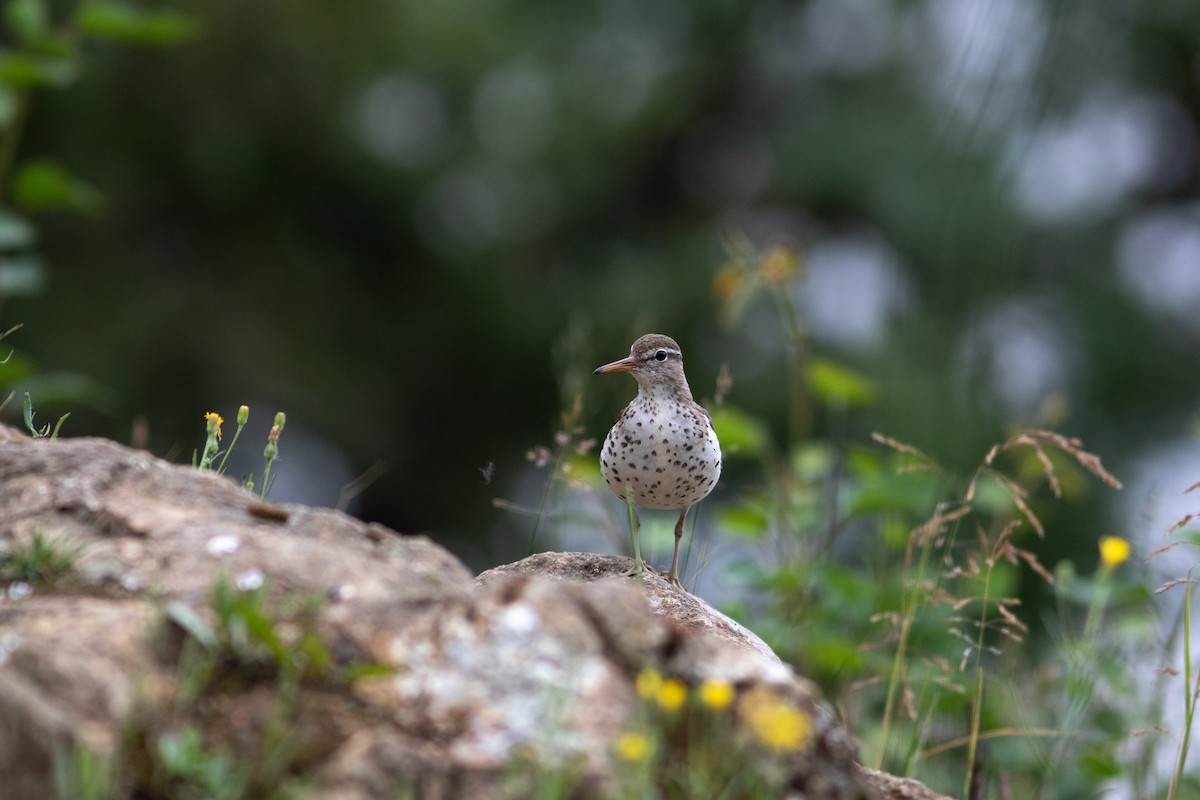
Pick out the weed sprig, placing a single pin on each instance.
(207, 458)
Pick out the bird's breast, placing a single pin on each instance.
(666, 454)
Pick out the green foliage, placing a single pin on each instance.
(900, 584)
(839, 386)
(206, 459)
(45, 431)
(192, 770)
(42, 560)
(43, 185)
(741, 434)
(245, 638)
(82, 774)
(126, 22)
(47, 51)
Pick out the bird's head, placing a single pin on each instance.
(654, 360)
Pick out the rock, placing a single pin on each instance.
(687, 611)
(192, 633)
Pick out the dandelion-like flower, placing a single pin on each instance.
(777, 725)
(1114, 551)
(717, 695)
(727, 282)
(632, 746)
(648, 684)
(213, 423)
(672, 694)
(779, 265)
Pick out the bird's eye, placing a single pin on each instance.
(661, 355)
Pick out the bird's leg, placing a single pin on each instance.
(673, 573)
(635, 533)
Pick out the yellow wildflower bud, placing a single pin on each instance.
(777, 725)
(280, 418)
(672, 694)
(726, 282)
(1114, 551)
(779, 265)
(243, 415)
(632, 746)
(782, 727)
(648, 683)
(717, 695)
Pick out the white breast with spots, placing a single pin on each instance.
(666, 452)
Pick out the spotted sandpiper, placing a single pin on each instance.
(662, 452)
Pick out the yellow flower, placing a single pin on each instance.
(213, 422)
(727, 281)
(672, 694)
(779, 265)
(776, 724)
(717, 695)
(1114, 551)
(648, 684)
(632, 746)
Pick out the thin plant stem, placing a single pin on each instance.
(228, 450)
(894, 681)
(908, 612)
(564, 441)
(1190, 697)
(799, 411)
(977, 705)
(537, 520)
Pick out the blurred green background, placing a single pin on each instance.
(417, 226)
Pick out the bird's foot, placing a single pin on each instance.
(673, 579)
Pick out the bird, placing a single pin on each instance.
(662, 452)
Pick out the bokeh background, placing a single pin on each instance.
(417, 226)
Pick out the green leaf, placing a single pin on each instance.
(812, 461)
(740, 433)
(912, 493)
(839, 386)
(746, 520)
(365, 670)
(185, 617)
(27, 414)
(119, 21)
(23, 70)
(45, 186)
(262, 628)
(26, 18)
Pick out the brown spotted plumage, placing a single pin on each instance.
(662, 452)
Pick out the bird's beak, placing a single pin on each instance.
(626, 364)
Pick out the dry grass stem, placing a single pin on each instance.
(1163, 549)
(998, 733)
(1186, 519)
(1172, 584)
(896, 444)
(938, 524)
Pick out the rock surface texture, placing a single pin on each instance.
(191, 632)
